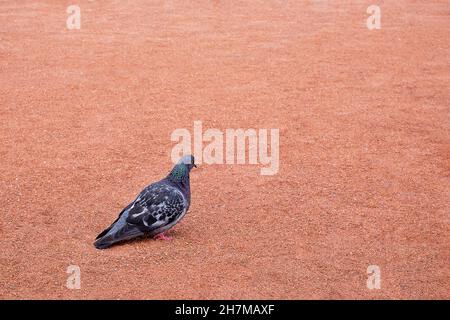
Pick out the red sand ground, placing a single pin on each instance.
(364, 132)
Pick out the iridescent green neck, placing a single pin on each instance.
(179, 173)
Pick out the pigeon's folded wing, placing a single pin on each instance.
(156, 207)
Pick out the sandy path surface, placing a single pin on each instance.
(86, 118)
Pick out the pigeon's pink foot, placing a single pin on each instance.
(161, 236)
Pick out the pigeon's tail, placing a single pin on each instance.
(117, 232)
(126, 233)
(104, 242)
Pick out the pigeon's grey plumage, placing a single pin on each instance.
(155, 210)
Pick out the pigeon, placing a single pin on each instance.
(156, 209)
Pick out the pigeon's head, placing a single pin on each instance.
(188, 161)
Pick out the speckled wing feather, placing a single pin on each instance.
(156, 207)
